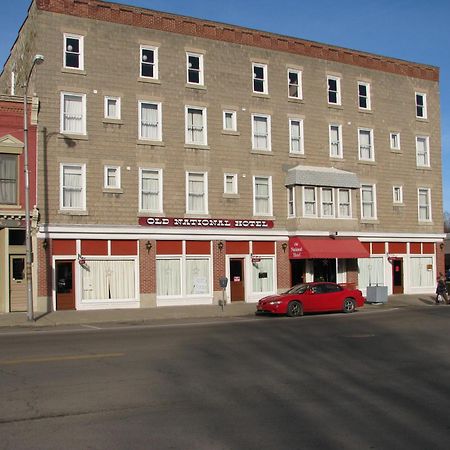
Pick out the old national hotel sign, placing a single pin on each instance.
(183, 222)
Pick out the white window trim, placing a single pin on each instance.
(235, 183)
(394, 133)
(155, 62)
(289, 215)
(83, 183)
(315, 201)
(300, 83)
(302, 148)
(201, 81)
(374, 194)
(427, 143)
(159, 110)
(270, 213)
(110, 97)
(233, 120)
(340, 154)
(160, 192)
(425, 108)
(105, 177)
(429, 204)
(205, 186)
(13, 83)
(61, 113)
(338, 90)
(400, 190)
(372, 144)
(368, 99)
(333, 203)
(205, 125)
(265, 78)
(338, 203)
(269, 132)
(81, 45)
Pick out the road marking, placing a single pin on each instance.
(91, 326)
(9, 362)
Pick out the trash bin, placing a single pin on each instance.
(377, 294)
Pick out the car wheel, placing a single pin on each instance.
(295, 309)
(349, 305)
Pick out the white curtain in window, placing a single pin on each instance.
(344, 203)
(73, 113)
(229, 121)
(367, 202)
(365, 146)
(195, 126)
(196, 187)
(111, 105)
(168, 277)
(371, 272)
(262, 196)
(295, 137)
(150, 190)
(424, 207)
(149, 121)
(122, 280)
(262, 275)
(327, 202)
(421, 276)
(422, 152)
(197, 276)
(72, 187)
(260, 130)
(8, 179)
(310, 201)
(334, 141)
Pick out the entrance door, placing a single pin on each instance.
(397, 276)
(237, 279)
(17, 283)
(298, 270)
(65, 292)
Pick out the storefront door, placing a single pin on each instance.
(65, 285)
(17, 283)
(237, 286)
(298, 269)
(397, 276)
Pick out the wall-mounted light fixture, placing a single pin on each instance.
(284, 247)
(148, 246)
(45, 244)
(441, 246)
(220, 246)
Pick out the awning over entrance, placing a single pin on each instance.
(326, 247)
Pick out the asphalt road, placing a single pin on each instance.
(370, 380)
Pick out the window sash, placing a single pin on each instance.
(73, 113)
(261, 132)
(344, 203)
(365, 145)
(260, 78)
(151, 190)
(424, 205)
(334, 95)
(73, 52)
(230, 183)
(72, 187)
(149, 62)
(395, 141)
(262, 196)
(112, 177)
(296, 136)
(368, 202)
(335, 141)
(229, 120)
(294, 84)
(8, 179)
(327, 201)
(364, 95)
(421, 105)
(423, 155)
(309, 201)
(150, 121)
(196, 188)
(291, 202)
(194, 68)
(196, 126)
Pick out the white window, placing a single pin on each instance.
(73, 186)
(345, 203)
(371, 272)
(296, 136)
(196, 132)
(230, 183)
(73, 51)
(363, 95)
(149, 62)
(421, 275)
(335, 136)
(327, 202)
(291, 201)
(262, 196)
(261, 134)
(424, 204)
(422, 151)
(421, 105)
(260, 78)
(309, 201)
(263, 275)
(365, 143)
(8, 179)
(73, 113)
(334, 90)
(112, 107)
(194, 68)
(395, 140)
(229, 120)
(150, 127)
(196, 192)
(150, 190)
(294, 83)
(111, 177)
(368, 202)
(397, 194)
(168, 277)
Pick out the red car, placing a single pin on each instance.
(312, 297)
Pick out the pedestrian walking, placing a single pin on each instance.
(441, 290)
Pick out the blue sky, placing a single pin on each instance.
(413, 30)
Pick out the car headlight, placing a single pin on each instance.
(275, 302)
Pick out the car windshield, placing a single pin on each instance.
(298, 289)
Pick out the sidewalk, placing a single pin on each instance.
(175, 313)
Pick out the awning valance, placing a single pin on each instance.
(326, 247)
(321, 176)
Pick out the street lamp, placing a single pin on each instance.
(38, 59)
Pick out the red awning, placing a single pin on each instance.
(326, 247)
